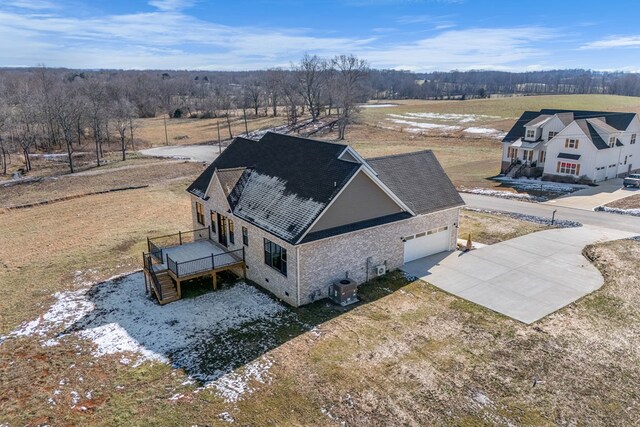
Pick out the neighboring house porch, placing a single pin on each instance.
(175, 258)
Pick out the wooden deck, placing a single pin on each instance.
(165, 267)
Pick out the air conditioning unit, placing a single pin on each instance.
(344, 292)
(381, 270)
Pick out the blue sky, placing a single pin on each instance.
(415, 35)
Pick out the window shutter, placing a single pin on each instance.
(558, 168)
(566, 143)
(578, 170)
(577, 142)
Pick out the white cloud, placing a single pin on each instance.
(477, 48)
(172, 4)
(33, 4)
(613, 42)
(169, 38)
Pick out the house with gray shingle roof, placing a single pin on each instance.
(572, 144)
(308, 213)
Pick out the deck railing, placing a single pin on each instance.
(208, 263)
(148, 265)
(156, 244)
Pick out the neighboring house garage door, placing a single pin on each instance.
(428, 243)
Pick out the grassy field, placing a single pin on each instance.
(631, 202)
(409, 355)
(491, 228)
(468, 158)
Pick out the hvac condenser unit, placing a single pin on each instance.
(344, 292)
(381, 269)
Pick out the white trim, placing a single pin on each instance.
(214, 174)
(382, 225)
(355, 154)
(297, 275)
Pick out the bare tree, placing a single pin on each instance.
(350, 75)
(253, 94)
(274, 81)
(68, 109)
(311, 80)
(122, 111)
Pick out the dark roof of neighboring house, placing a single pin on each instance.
(568, 156)
(418, 180)
(592, 134)
(286, 181)
(617, 120)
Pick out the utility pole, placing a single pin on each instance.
(246, 129)
(166, 135)
(219, 143)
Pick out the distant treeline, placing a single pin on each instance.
(391, 84)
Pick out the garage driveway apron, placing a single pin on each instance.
(525, 278)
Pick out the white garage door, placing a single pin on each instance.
(428, 243)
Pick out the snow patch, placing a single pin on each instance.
(495, 133)
(377, 105)
(418, 126)
(225, 416)
(117, 317)
(503, 194)
(560, 223)
(232, 386)
(619, 211)
(537, 184)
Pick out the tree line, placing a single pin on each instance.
(46, 110)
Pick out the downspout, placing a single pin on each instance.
(298, 276)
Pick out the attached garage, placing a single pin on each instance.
(426, 243)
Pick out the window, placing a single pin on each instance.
(612, 141)
(245, 236)
(232, 237)
(633, 138)
(568, 168)
(199, 213)
(625, 159)
(529, 155)
(531, 133)
(542, 156)
(512, 153)
(213, 222)
(552, 134)
(275, 256)
(571, 143)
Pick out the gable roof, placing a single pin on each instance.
(418, 180)
(282, 182)
(607, 121)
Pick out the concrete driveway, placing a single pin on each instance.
(196, 153)
(525, 278)
(591, 197)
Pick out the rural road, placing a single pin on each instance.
(598, 219)
(196, 153)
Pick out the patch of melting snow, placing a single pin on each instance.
(377, 105)
(560, 223)
(225, 416)
(619, 211)
(503, 194)
(232, 386)
(452, 117)
(538, 184)
(486, 131)
(418, 126)
(117, 317)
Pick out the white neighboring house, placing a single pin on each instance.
(572, 144)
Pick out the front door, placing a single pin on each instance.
(222, 230)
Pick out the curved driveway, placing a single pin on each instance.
(528, 277)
